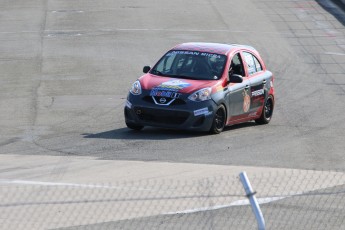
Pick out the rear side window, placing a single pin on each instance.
(257, 64)
(253, 63)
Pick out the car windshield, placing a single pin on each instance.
(190, 65)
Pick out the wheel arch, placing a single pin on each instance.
(223, 102)
(226, 112)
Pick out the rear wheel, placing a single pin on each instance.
(267, 111)
(219, 120)
(134, 126)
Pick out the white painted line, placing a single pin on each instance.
(210, 30)
(67, 11)
(177, 30)
(64, 34)
(18, 32)
(263, 200)
(287, 33)
(44, 183)
(331, 53)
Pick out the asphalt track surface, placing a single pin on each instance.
(66, 67)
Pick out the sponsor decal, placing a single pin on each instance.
(203, 111)
(219, 88)
(161, 93)
(208, 114)
(246, 101)
(210, 55)
(194, 53)
(174, 85)
(183, 52)
(252, 114)
(258, 92)
(169, 89)
(128, 104)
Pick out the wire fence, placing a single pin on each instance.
(289, 199)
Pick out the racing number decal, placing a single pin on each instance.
(246, 101)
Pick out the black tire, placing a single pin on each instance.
(134, 126)
(267, 111)
(219, 120)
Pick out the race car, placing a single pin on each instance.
(202, 87)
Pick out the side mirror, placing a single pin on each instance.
(235, 78)
(146, 69)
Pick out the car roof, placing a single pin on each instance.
(217, 48)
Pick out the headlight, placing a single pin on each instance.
(201, 95)
(136, 88)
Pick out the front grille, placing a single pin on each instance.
(161, 116)
(199, 121)
(148, 99)
(177, 101)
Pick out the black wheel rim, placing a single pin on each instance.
(268, 108)
(220, 119)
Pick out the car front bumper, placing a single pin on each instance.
(189, 115)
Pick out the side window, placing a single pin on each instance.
(257, 64)
(253, 63)
(250, 62)
(236, 65)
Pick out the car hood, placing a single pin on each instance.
(150, 81)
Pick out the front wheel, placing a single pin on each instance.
(267, 111)
(134, 126)
(219, 120)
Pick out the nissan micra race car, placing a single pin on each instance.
(203, 87)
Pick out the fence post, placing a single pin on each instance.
(253, 201)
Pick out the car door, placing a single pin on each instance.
(258, 80)
(238, 93)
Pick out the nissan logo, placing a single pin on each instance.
(162, 100)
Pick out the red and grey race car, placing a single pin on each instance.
(204, 87)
